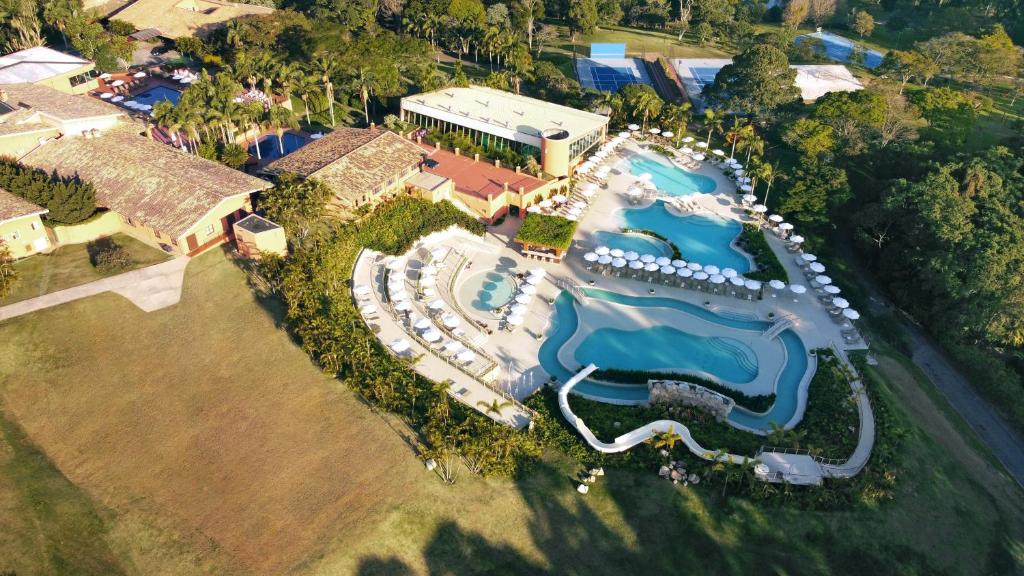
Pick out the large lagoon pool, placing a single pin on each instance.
(700, 238)
(638, 243)
(566, 320)
(670, 180)
(664, 348)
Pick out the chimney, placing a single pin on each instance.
(373, 126)
(519, 169)
(504, 186)
(521, 190)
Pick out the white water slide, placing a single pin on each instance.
(637, 436)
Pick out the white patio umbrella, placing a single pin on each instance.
(716, 279)
(738, 171)
(432, 335)
(631, 255)
(618, 262)
(729, 273)
(684, 272)
(652, 267)
(700, 275)
(797, 288)
(808, 257)
(533, 210)
(636, 264)
(436, 304)
(668, 134)
(633, 127)
(106, 95)
(822, 279)
(736, 281)
(422, 324)
(662, 260)
(400, 345)
(785, 226)
(747, 188)
(712, 269)
(117, 83)
(816, 267)
(454, 347)
(403, 306)
(832, 289)
(760, 208)
(616, 252)
(560, 198)
(523, 298)
(535, 279)
(428, 280)
(796, 239)
(702, 144)
(851, 313)
(655, 130)
(584, 168)
(590, 256)
(718, 152)
(623, 135)
(694, 266)
(686, 149)
(528, 289)
(648, 258)
(591, 186)
(117, 98)
(400, 295)
(466, 356)
(604, 259)
(361, 290)
(777, 284)
(749, 198)
(776, 218)
(368, 309)
(679, 263)
(546, 203)
(645, 177)
(451, 320)
(601, 250)
(515, 319)
(752, 284)
(698, 157)
(688, 139)
(840, 302)
(668, 270)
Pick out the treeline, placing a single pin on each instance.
(69, 201)
(314, 284)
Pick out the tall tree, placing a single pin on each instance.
(758, 81)
(582, 16)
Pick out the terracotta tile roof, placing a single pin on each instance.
(12, 207)
(352, 161)
(156, 184)
(481, 179)
(20, 121)
(57, 104)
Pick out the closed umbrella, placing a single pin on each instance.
(631, 256)
(590, 256)
(711, 269)
(851, 313)
(822, 279)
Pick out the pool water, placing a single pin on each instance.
(270, 148)
(638, 243)
(157, 94)
(485, 292)
(787, 386)
(699, 238)
(664, 348)
(841, 49)
(669, 180)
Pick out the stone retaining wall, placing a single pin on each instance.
(679, 393)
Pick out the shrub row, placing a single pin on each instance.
(753, 242)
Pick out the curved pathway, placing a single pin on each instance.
(637, 436)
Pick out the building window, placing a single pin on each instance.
(209, 230)
(15, 235)
(35, 225)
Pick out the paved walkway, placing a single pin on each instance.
(150, 288)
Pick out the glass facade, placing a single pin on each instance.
(479, 138)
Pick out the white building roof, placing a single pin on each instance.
(37, 64)
(813, 80)
(512, 116)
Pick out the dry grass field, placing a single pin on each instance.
(200, 440)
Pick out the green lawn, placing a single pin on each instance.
(199, 439)
(69, 266)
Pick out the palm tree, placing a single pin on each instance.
(712, 121)
(167, 117)
(739, 131)
(666, 439)
(494, 407)
(21, 17)
(252, 116)
(767, 173)
(676, 116)
(281, 119)
(753, 143)
(361, 81)
(306, 86)
(326, 66)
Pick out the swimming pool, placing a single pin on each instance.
(699, 238)
(664, 348)
(638, 243)
(485, 292)
(271, 148)
(841, 49)
(787, 388)
(670, 180)
(157, 94)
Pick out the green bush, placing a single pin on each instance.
(676, 254)
(120, 27)
(753, 242)
(69, 201)
(992, 376)
(545, 230)
(108, 256)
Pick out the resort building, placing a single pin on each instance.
(21, 229)
(256, 237)
(178, 202)
(177, 18)
(557, 135)
(363, 166)
(48, 67)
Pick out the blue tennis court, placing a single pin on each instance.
(842, 49)
(610, 75)
(612, 79)
(704, 76)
